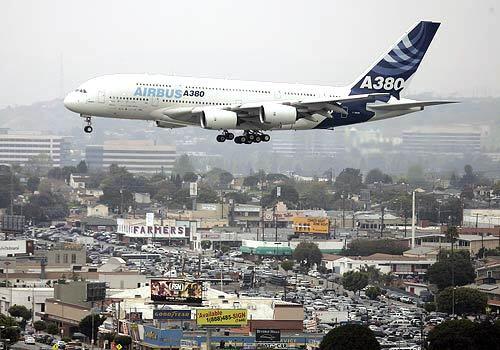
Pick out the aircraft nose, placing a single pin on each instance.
(71, 102)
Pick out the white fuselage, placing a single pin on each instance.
(150, 97)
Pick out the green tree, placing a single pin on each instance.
(206, 244)
(464, 334)
(183, 165)
(46, 206)
(349, 337)
(416, 175)
(190, 177)
(287, 265)
(82, 168)
(439, 273)
(85, 325)
(288, 195)
(40, 325)
(10, 329)
(354, 280)
(377, 176)
(365, 247)
(52, 329)
(349, 181)
(307, 254)
(32, 183)
(123, 340)
(20, 311)
(251, 181)
(239, 197)
(468, 301)
(207, 195)
(373, 292)
(373, 274)
(317, 196)
(8, 181)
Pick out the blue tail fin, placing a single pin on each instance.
(392, 72)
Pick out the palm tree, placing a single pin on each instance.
(451, 236)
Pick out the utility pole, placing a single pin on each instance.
(413, 221)
(343, 210)
(382, 208)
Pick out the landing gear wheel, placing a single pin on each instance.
(251, 137)
(220, 138)
(229, 136)
(266, 138)
(257, 139)
(88, 129)
(243, 139)
(237, 139)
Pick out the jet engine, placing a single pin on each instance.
(277, 114)
(217, 119)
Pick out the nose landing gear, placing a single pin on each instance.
(88, 128)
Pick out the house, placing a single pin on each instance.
(142, 198)
(398, 265)
(78, 181)
(422, 252)
(99, 210)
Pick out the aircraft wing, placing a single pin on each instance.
(407, 105)
(249, 111)
(311, 105)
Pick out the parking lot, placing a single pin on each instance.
(395, 319)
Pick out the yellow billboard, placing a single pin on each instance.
(311, 225)
(221, 317)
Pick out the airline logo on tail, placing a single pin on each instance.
(392, 72)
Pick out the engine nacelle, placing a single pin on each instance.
(218, 119)
(277, 114)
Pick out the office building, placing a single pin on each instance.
(142, 156)
(453, 140)
(21, 148)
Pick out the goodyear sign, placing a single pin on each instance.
(171, 314)
(311, 225)
(221, 317)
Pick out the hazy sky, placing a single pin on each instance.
(316, 42)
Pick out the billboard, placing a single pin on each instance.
(96, 291)
(144, 231)
(171, 315)
(267, 335)
(15, 247)
(175, 291)
(13, 223)
(221, 317)
(311, 225)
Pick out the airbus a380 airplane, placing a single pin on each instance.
(258, 107)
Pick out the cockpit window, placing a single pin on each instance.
(81, 90)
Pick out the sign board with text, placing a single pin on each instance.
(221, 317)
(174, 315)
(267, 335)
(144, 231)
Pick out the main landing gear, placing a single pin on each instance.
(88, 128)
(226, 135)
(250, 136)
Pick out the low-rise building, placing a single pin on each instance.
(471, 243)
(397, 265)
